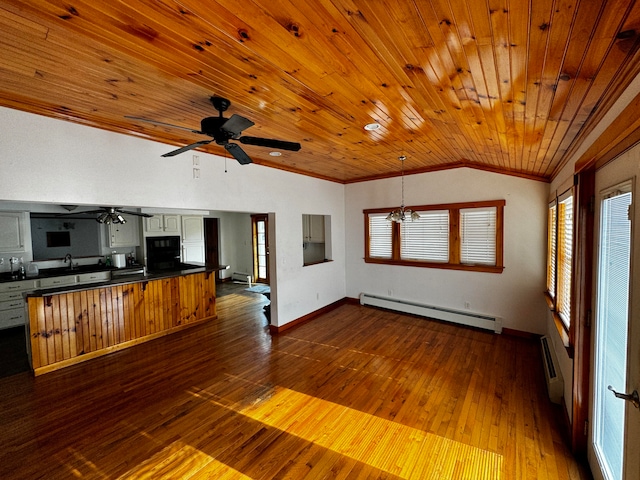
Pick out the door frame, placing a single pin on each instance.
(609, 175)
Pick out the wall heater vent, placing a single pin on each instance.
(241, 277)
(552, 374)
(455, 316)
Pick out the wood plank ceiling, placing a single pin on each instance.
(504, 85)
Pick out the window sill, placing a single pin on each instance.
(316, 263)
(445, 266)
(560, 327)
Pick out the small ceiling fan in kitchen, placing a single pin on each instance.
(105, 214)
(222, 130)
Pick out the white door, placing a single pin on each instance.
(614, 440)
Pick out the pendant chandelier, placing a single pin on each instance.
(401, 214)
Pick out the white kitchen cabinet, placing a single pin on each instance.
(313, 228)
(12, 306)
(94, 277)
(124, 234)
(192, 228)
(171, 224)
(53, 282)
(192, 252)
(153, 224)
(192, 239)
(162, 225)
(12, 231)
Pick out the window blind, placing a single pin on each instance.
(551, 250)
(427, 238)
(380, 236)
(565, 256)
(478, 236)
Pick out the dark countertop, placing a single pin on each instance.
(121, 279)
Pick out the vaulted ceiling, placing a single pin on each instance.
(510, 86)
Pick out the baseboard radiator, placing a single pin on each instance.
(552, 373)
(241, 277)
(455, 316)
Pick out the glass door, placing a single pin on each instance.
(612, 440)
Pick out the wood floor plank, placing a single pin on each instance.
(355, 393)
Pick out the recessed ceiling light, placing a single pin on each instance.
(275, 154)
(372, 126)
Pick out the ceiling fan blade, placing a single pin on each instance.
(80, 213)
(268, 142)
(162, 124)
(236, 124)
(127, 212)
(187, 148)
(239, 154)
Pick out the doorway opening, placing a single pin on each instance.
(260, 239)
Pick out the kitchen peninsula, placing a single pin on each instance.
(73, 323)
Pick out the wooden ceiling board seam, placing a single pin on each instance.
(554, 73)
(456, 85)
(355, 100)
(519, 51)
(485, 121)
(453, 146)
(625, 72)
(597, 85)
(555, 52)
(501, 49)
(481, 28)
(212, 75)
(629, 74)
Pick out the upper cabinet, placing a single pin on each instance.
(124, 234)
(313, 228)
(192, 228)
(162, 225)
(193, 239)
(12, 231)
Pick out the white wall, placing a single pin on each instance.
(515, 295)
(235, 245)
(51, 161)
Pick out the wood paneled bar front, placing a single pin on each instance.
(67, 326)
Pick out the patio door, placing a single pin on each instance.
(260, 229)
(615, 419)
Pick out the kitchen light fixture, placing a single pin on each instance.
(401, 214)
(371, 126)
(275, 154)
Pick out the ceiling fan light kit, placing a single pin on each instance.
(222, 130)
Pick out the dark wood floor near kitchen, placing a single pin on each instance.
(355, 393)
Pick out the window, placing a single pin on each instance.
(551, 249)
(478, 236)
(560, 259)
(425, 239)
(461, 236)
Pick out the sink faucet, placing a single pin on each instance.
(70, 259)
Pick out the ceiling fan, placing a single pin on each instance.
(222, 130)
(106, 214)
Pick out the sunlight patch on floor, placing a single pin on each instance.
(383, 444)
(179, 460)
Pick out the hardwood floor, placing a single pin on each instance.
(356, 393)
